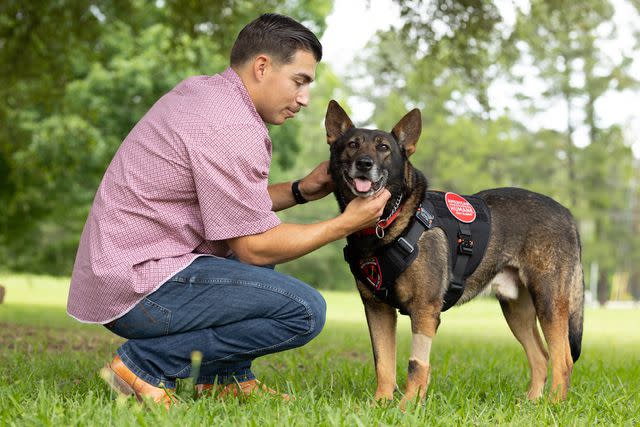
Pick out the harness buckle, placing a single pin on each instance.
(425, 217)
(456, 286)
(406, 247)
(465, 244)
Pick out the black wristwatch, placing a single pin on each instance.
(297, 195)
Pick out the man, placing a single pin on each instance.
(175, 252)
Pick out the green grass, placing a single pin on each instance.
(49, 365)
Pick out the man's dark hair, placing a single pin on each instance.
(275, 35)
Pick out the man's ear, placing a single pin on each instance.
(408, 130)
(261, 65)
(337, 122)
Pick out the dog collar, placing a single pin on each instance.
(383, 224)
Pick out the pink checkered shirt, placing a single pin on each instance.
(192, 173)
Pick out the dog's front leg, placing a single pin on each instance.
(382, 319)
(423, 326)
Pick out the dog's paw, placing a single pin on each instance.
(412, 401)
(381, 401)
(383, 396)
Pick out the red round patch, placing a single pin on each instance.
(371, 270)
(460, 208)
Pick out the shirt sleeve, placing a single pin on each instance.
(231, 172)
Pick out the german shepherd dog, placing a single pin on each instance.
(532, 261)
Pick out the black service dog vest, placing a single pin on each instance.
(466, 221)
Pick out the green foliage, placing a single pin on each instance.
(565, 42)
(457, 38)
(76, 78)
(448, 54)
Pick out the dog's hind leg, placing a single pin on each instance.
(552, 309)
(382, 319)
(424, 325)
(555, 330)
(517, 307)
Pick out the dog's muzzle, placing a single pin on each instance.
(364, 178)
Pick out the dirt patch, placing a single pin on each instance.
(28, 338)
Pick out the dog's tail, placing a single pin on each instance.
(576, 311)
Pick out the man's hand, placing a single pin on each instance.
(285, 242)
(363, 212)
(318, 183)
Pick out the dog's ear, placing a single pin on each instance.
(408, 130)
(337, 122)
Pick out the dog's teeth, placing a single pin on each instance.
(362, 185)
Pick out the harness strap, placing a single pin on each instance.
(465, 250)
(394, 258)
(398, 255)
(381, 270)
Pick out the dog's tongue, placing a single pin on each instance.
(362, 185)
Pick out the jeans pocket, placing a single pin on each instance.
(146, 320)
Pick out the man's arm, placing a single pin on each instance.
(290, 241)
(281, 196)
(314, 186)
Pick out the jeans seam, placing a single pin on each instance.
(300, 301)
(256, 285)
(167, 314)
(246, 282)
(183, 371)
(207, 363)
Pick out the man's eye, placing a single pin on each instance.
(354, 144)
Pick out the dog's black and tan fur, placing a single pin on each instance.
(532, 261)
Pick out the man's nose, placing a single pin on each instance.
(303, 96)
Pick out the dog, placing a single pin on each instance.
(532, 259)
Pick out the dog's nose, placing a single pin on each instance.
(364, 163)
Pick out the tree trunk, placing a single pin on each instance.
(571, 161)
(634, 285)
(603, 287)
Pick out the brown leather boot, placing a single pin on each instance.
(242, 389)
(126, 383)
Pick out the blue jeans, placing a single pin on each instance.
(229, 311)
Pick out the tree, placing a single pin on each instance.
(564, 41)
(76, 77)
(447, 56)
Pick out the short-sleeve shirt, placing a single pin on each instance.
(192, 173)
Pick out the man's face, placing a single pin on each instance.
(285, 88)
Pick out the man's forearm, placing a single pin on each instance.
(288, 241)
(281, 196)
(314, 186)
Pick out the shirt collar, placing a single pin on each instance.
(232, 77)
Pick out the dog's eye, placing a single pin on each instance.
(354, 144)
(382, 147)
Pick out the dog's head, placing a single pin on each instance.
(364, 161)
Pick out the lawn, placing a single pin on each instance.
(49, 372)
